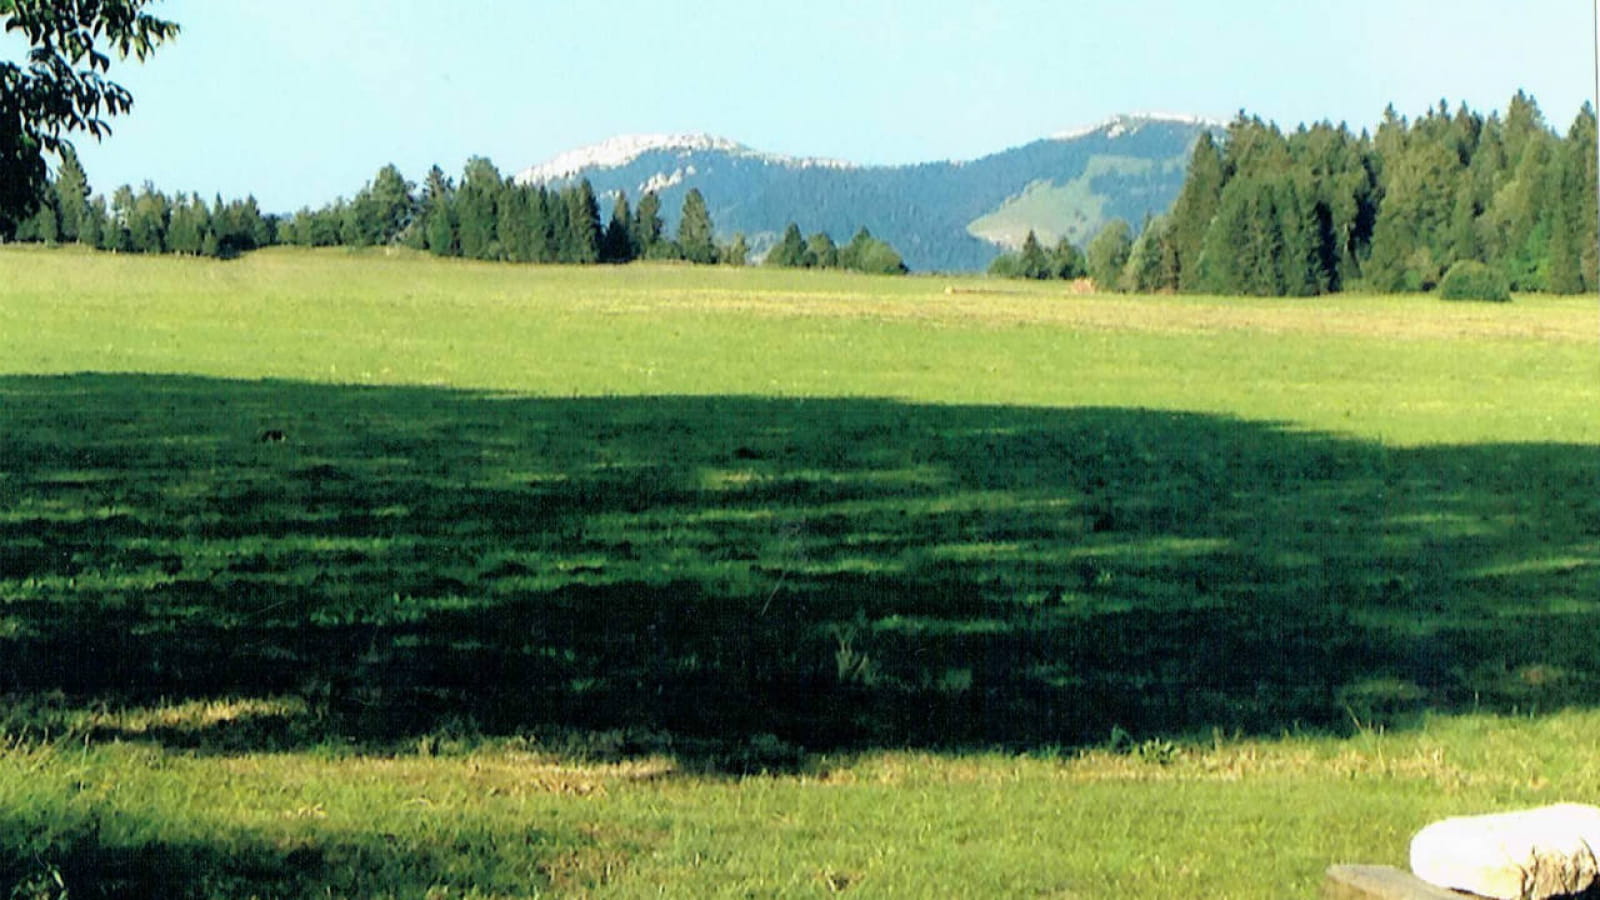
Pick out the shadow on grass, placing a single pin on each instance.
(736, 577)
(116, 855)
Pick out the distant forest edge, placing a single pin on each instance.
(1501, 199)
(485, 217)
(1323, 210)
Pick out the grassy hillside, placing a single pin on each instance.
(378, 574)
(1073, 209)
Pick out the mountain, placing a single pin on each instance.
(947, 216)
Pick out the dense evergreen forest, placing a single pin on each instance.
(485, 216)
(1322, 210)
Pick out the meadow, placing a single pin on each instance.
(370, 575)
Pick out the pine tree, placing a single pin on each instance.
(790, 252)
(116, 235)
(1195, 208)
(186, 231)
(475, 212)
(1518, 234)
(1563, 272)
(92, 225)
(44, 226)
(866, 253)
(1410, 241)
(1147, 271)
(518, 243)
(1031, 260)
(392, 204)
(71, 194)
(1066, 261)
(647, 226)
(822, 252)
(438, 221)
(696, 240)
(617, 244)
(1580, 191)
(736, 253)
(1299, 255)
(582, 233)
(1571, 208)
(550, 228)
(1524, 125)
(1108, 254)
(358, 226)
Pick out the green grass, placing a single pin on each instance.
(661, 580)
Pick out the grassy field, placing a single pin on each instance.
(366, 575)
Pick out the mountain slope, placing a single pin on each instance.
(939, 215)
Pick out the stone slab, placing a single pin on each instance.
(1531, 854)
(1380, 883)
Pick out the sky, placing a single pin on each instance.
(300, 101)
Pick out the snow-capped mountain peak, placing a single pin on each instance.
(1118, 125)
(619, 151)
(624, 149)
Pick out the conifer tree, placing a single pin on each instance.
(1518, 234)
(1108, 254)
(1563, 271)
(790, 252)
(186, 231)
(1196, 206)
(866, 253)
(358, 226)
(518, 243)
(392, 204)
(1299, 254)
(1148, 260)
(582, 233)
(617, 244)
(71, 193)
(550, 217)
(647, 226)
(821, 251)
(1066, 261)
(737, 253)
(1582, 172)
(1031, 260)
(1524, 125)
(1571, 210)
(44, 226)
(93, 223)
(696, 240)
(116, 236)
(438, 221)
(1410, 238)
(475, 212)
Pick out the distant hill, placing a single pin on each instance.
(940, 215)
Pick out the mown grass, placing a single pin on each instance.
(1005, 593)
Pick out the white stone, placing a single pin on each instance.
(1528, 855)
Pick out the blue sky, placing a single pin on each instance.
(298, 101)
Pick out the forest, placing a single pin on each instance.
(485, 217)
(1322, 210)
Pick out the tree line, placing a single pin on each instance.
(485, 216)
(864, 253)
(1322, 210)
(147, 221)
(489, 217)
